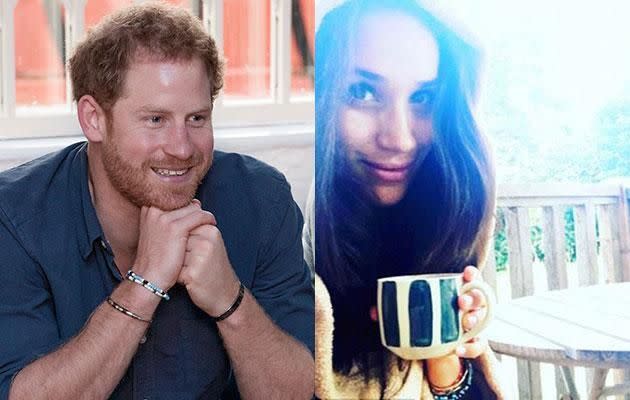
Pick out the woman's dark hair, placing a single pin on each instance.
(444, 221)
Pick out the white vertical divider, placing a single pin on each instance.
(281, 50)
(7, 58)
(212, 18)
(75, 28)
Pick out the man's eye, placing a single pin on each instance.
(362, 92)
(197, 120)
(155, 119)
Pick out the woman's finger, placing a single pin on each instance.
(472, 349)
(478, 299)
(472, 318)
(470, 273)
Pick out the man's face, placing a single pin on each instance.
(159, 138)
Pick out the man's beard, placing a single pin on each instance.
(132, 182)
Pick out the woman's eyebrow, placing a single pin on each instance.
(368, 74)
(427, 84)
(373, 76)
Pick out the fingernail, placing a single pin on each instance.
(472, 320)
(373, 314)
(460, 351)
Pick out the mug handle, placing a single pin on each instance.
(490, 303)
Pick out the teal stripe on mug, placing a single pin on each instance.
(420, 314)
(390, 314)
(450, 311)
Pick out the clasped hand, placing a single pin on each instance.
(185, 246)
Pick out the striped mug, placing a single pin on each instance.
(419, 317)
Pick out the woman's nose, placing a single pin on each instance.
(396, 132)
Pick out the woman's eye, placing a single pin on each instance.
(422, 97)
(362, 92)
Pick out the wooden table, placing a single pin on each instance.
(585, 327)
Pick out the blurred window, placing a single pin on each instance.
(267, 45)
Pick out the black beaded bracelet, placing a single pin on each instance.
(234, 306)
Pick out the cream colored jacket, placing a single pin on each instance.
(401, 385)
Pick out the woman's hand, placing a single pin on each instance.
(473, 305)
(443, 371)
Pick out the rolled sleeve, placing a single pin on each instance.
(282, 283)
(27, 316)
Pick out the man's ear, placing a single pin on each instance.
(92, 118)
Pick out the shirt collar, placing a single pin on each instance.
(89, 230)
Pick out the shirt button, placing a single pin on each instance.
(143, 339)
(103, 244)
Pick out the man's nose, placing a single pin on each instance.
(396, 132)
(178, 143)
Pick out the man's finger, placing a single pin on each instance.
(195, 219)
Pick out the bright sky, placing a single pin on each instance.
(577, 52)
(585, 44)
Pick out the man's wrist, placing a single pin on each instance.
(137, 298)
(150, 286)
(234, 306)
(238, 318)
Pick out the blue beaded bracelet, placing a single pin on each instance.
(150, 286)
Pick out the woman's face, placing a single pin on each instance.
(385, 121)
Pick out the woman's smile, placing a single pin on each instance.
(388, 172)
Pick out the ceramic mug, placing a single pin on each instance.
(419, 317)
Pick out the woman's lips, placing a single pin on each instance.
(388, 173)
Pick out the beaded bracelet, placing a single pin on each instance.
(125, 311)
(234, 306)
(153, 288)
(459, 389)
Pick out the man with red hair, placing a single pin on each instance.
(144, 264)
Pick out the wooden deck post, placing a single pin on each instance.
(624, 232)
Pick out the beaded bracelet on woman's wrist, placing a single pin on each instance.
(459, 388)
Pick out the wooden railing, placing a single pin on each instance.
(602, 247)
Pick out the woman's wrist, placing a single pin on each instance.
(455, 389)
(443, 371)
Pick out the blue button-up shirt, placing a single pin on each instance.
(56, 267)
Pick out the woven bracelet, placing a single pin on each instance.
(135, 278)
(234, 306)
(125, 311)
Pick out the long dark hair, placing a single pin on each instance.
(443, 222)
